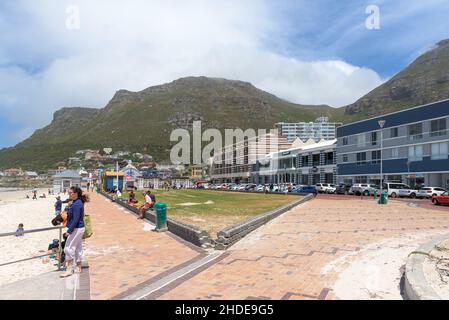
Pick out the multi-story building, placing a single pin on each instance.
(234, 163)
(321, 129)
(414, 149)
(307, 165)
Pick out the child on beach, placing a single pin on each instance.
(20, 230)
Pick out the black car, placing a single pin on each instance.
(343, 189)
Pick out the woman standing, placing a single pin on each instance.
(75, 223)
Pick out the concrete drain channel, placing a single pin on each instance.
(158, 285)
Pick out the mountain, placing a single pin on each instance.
(425, 80)
(142, 121)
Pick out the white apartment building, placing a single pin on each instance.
(321, 129)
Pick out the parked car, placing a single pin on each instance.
(363, 189)
(408, 193)
(325, 188)
(442, 199)
(393, 188)
(250, 187)
(429, 192)
(306, 190)
(331, 189)
(343, 188)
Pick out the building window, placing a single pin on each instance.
(415, 131)
(361, 158)
(361, 140)
(395, 153)
(394, 132)
(375, 157)
(438, 128)
(374, 138)
(345, 158)
(439, 151)
(415, 153)
(345, 141)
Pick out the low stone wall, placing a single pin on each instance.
(416, 286)
(226, 237)
(187, 232)
(256, 192)
(232, 234)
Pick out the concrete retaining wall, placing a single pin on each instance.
(232, 234)
(416, 285)
(226, 237)
(187, 232)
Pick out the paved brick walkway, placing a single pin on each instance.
(292, 257)
(124, 253)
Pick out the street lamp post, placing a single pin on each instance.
(381, 125)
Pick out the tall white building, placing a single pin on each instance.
(321, 129)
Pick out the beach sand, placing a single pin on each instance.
(15, 209)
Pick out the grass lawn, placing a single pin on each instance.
(214, 210)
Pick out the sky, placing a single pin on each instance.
(78, 53)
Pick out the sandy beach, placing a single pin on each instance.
(15, 209)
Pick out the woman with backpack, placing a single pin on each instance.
(75, 223)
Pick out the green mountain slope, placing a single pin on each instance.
(142, 121)
(424, 81)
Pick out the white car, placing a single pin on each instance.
(331, 189)
(429, 192)
(325, 188)
(242, 187)
(393, 188)
(408, 193)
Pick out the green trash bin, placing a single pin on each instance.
(161, 217)
(384, 198)
(375, 194)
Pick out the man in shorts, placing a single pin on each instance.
(147, 205)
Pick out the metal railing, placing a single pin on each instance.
(20, 233)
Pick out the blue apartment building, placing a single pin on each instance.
(415, 148)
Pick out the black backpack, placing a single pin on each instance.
(153, 198)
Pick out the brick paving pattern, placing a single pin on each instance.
(122, 255)
(284, 259)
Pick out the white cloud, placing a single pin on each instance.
(139, 43)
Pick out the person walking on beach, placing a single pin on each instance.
(58, 205)
(75, 222)
(34, 195)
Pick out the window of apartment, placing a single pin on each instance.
(361, 140)
(395, 153)
(439, 151)
(345, 141)
(438, 127)
(415, 153)
(415, 131)
(374, 138)
(394, 132)
(375, 157)
(329, 158)
(361, 158)
(345, 158)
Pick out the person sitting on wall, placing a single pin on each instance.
(132, 198)
(147, 205)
